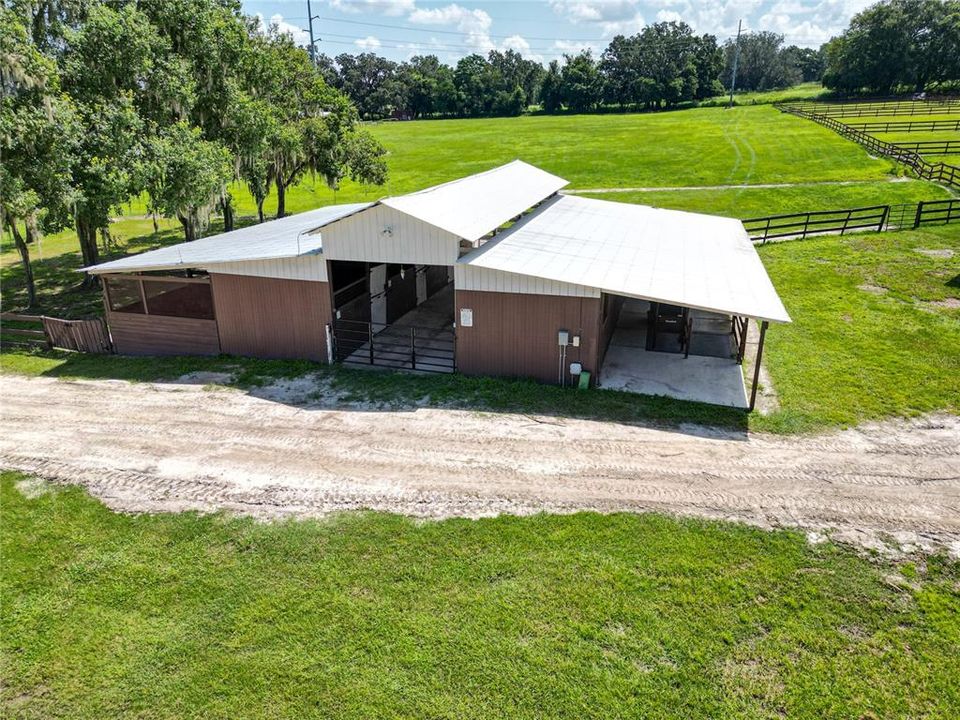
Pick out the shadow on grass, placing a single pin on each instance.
(391, 391)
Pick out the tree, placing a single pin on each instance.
(913, 43)
(581, 86)
(186, 176)
(472, 82)
(369, 80)
(551, 90)
(807, 61)
(762, 65)
(37, 131)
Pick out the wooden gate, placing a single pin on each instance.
(89, 336)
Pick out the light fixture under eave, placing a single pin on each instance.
(387, 231)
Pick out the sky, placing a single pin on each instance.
(541, 30)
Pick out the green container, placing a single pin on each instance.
(584, 380)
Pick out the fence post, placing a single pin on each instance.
(370, 339)
(916, 219)
(846, 221)
(413, 348)
(883, 218)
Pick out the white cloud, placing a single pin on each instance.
(474, 24)
(300, 36)
(392, 8)
(367, 44)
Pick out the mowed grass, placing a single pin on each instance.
(368, 615)
(875, 331)
(705, 146)
(746, 202)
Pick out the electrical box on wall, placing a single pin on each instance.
(466, 317)
(563, 337)
(576, 341)
(576, 368)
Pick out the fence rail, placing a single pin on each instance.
(937, 172)
(89, 336)
(821, 222)
(876, 218)
(931, 147)
(907, 126)
(892, 109)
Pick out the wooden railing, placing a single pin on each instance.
(937, 172)
(820, 222)
(90, 335)
(881, 109)
(907, 126)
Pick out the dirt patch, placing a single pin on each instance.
(172, 447)
(945, 253)
(950, 303)
(874, 289)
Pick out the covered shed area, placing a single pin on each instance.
(669, 295)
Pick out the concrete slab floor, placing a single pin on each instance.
(629, 367)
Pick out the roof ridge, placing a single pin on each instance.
(456, 181)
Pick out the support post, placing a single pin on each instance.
(413, 348)
(916, 219)
(370, 340)
(744, 329)
(756, 369)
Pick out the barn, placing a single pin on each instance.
(493, 274)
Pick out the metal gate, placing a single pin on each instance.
(403, 347)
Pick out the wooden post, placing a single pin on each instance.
(413, 348)
(916, 219)
(883, 218)
(756, 369)
(370, 339)
(744, 330)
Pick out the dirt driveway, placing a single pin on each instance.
(156, 447)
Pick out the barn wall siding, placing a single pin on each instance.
(515, 334)
(135, 334)
(411, 241)
(469, 277)
(307, 267)
(272, 317)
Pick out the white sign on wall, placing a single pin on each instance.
(466, 317)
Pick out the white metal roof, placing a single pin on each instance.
(284, 238)
(681, 258)
(475, 205)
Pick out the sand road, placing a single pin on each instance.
(169, 447)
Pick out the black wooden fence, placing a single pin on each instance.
(880, 109)
(907, 126)
(937, 172)
(876, 218)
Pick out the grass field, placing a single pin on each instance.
(366, 615)
(709, 146)
(874, 335)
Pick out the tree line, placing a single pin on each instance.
(104, 102)
(900, 45)
(663, 65)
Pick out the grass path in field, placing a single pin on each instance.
(365, 615)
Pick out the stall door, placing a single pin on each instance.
(378, 295)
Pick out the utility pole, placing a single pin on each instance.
(313, 42)
(736, 60)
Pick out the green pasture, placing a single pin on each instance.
(748, 202)
(365, 615)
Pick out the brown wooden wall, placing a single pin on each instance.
(138, 334)
(515, 334)
(272, 317)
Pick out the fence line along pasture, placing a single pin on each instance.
(888, 109)
(875, 218)
(936, 172)
(907, 126)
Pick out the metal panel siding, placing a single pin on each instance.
(411, 241)
(309, 267)
(135, 334)
(272, 317)
(515, 334)
(469, 277)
